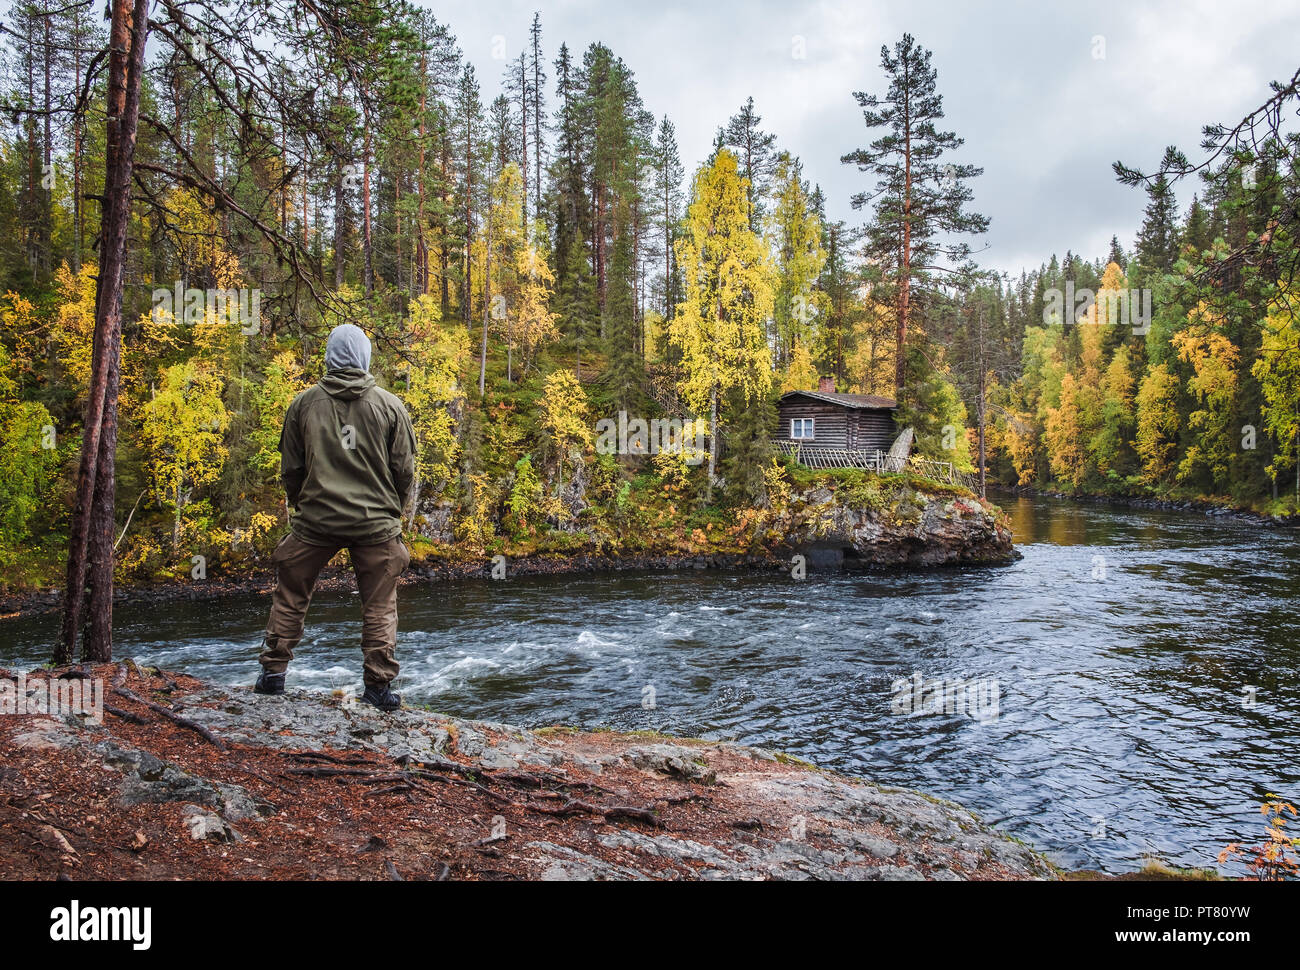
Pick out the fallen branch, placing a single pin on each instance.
(125, 715)
(390, 789)
(323, 756)
(261, 777)
(434, 776)
(575, 806)
(168, 713)
(328, 772)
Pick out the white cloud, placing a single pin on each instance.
(1020, 84)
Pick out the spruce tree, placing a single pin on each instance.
(1157, 241)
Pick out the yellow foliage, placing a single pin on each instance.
(436, 355)
(1214, 385)
(476, 527)
(197, 235)
(534, 323)
(565, 418)
(801, 375)
(74, 324)
(1065, 442)
(183, 428)
(875, 348)
(728, 283)
(1157, 431)
(1278, 373)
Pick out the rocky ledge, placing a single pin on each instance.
(912, 528)
(187, 780)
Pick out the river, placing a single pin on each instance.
(1135, 672)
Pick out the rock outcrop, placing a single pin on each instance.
(912, 529)
(313, 786)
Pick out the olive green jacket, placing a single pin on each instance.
(347, 459)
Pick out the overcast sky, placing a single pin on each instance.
(1022, 83)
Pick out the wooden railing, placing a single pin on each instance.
(661, 390)
(876, 461)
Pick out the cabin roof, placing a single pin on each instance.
(872, 401)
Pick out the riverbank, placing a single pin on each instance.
(1201, 505)
(434, 569)
(191, 781)
(838, 523)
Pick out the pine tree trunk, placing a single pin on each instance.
(523, 146)
(98, 645)
(421, 247)
(92, 517)
(78, 227)
(340, 211)
(487, 300)
(537, 119)
(47, 171)
(365, 217)
(905, 267)
(469, 226)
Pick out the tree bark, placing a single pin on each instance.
(369, 269)
(905, 267)
(487, 295)
(983, 412)
(91, 531)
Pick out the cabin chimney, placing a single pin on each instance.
(826, 385)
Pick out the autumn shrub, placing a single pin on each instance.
(1277, 858)
(525, 499)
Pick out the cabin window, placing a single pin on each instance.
(801, 429)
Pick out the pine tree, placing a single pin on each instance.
(518, 87)
(1117, 255)
(668, 174)
(470, 148)
(625, 367)
(754, 148)
(575, 291)
(1196, 236)
(920, 201)
(537, 71)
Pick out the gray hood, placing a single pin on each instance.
(348, 348)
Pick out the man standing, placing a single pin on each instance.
(347, 459)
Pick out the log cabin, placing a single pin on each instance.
(825, 419)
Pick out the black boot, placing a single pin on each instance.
(269, 683)
(382, 697)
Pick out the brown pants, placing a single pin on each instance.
(297, 567)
